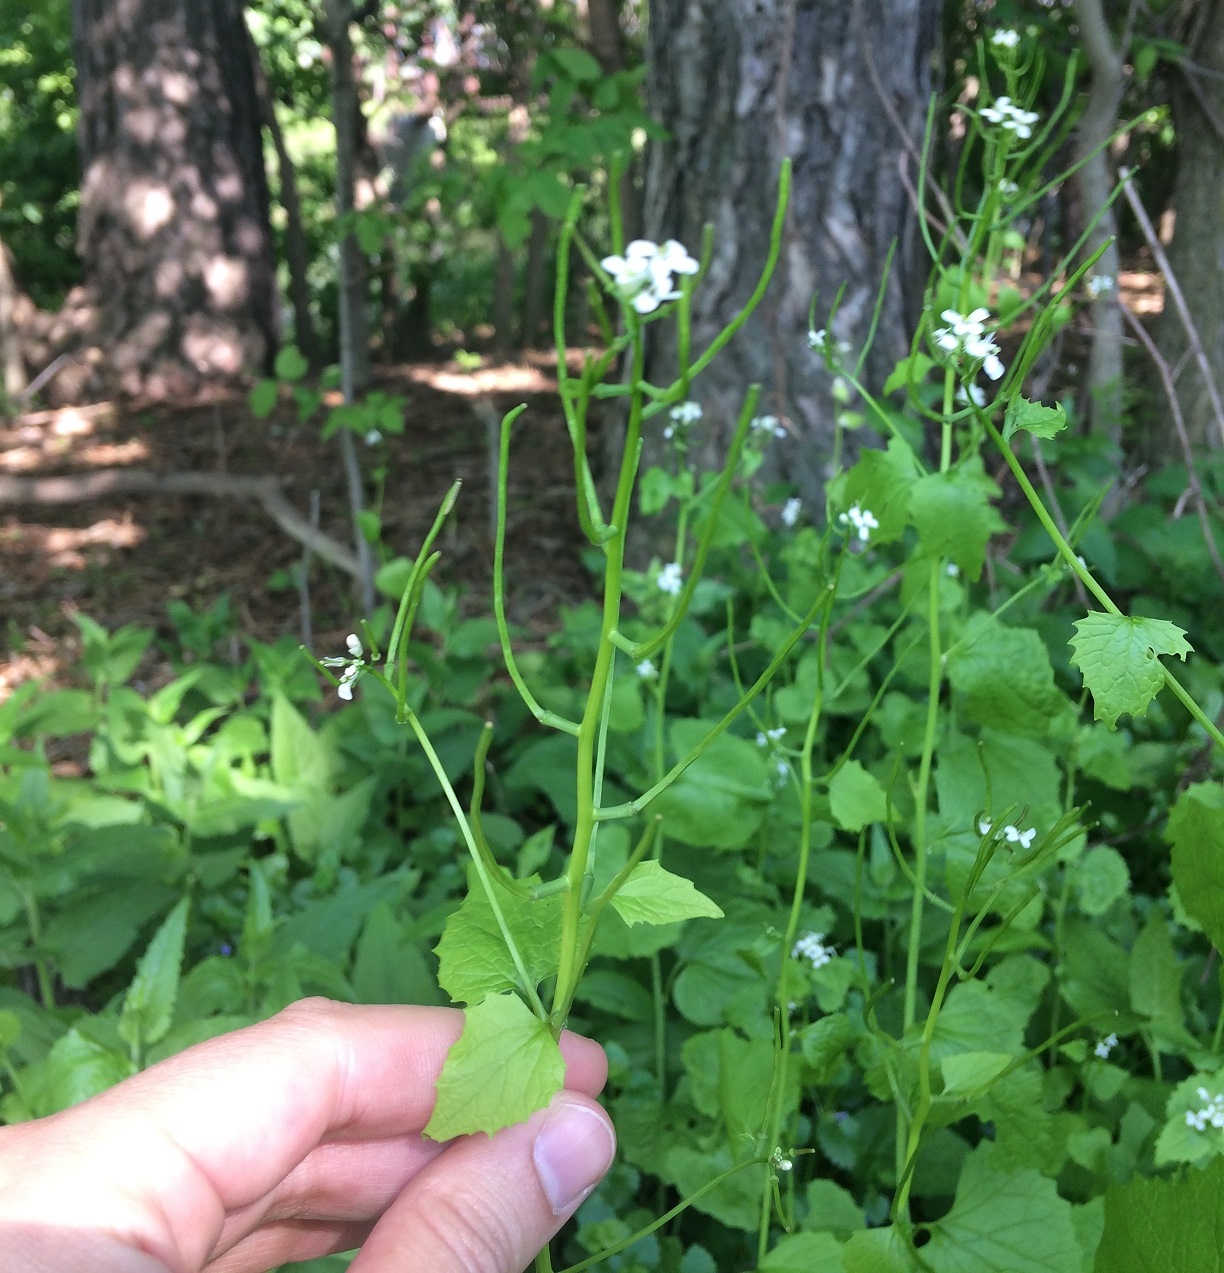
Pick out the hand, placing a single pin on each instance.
(291, 1139)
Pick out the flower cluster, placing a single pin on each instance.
(671, 579)
(682, 415)
(811, 946)
(790, 511)
(771, 736)
(767, 424)
(862, 519)
(966, 334)
(353, 665)
(1099, 284)
(1106, 1045)
(1212, 1111)
(1013, 835)
(1005, 39)
(644, 274)
(1008, 115)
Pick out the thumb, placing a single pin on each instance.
(488, 1205)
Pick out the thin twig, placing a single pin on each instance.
(1195, 487)
(1173, 288)
(78, 488)
(304, 575)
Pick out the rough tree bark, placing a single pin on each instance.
(173, 226)
(1196, 253)
(1096, 183)
(841, 87)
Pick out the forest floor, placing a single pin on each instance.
(122, 558)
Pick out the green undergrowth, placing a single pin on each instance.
(878, 842)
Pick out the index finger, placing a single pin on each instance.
(217, 1127)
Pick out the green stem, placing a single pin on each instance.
(1084, 575)
(568, 970)
(46, 987)
(482, 872)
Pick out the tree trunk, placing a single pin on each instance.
(841, 87)
(1196, 253)
(173, 225)
(12, 364)
(1096, 183)
(297, 256)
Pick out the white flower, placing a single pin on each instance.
(819, 341)
(1005, 39)
(353, 665)
(646, 670)
(966, 335)
(1008, 189)
(764, 738)
(862, 519)
(1106, 1045)
(1211, 1113)
(975, 394)
(1098, 284)
(790, 511)
(644, 274)
(952, 570)
(671, 579)
(686, 412)
(1008, 115)
(810, 946)
(984, 825)
(767, 424)
(373, 438)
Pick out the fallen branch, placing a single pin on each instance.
(79, 488)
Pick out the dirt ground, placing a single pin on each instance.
(121, 559)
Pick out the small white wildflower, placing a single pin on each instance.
(952, 570)
(1211, 1113)
(671, 579)
(776, 735)
(790, 511)
(1106, 1045)
(984, 825)
(373, 438)
(353, 665)
(782, 769)
(1008, 115)
(1008, 189)
(1005, 39)
(646, 670)
(1013, 835)
(862, 519)
(1098, 284)
(811, 946)
(686, 412)
(974, 394)
(840, 390)
(768, 424)
(818, 339)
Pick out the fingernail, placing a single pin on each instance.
(572, 1152)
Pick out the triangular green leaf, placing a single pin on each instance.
(1004, 1222)
(148, 1006)
(652, 895)
(909, 371)
(856, 797)
(504, 1066)
(954, 517)
(1119, 658)
(1196, 832)
(473, 960)
(1005, 679)
(1041, 421)
(880, 483)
